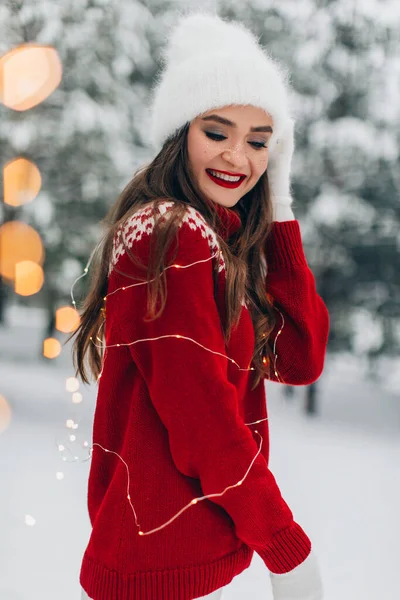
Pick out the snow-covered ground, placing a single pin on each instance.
(338, 471)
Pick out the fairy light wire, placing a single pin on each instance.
(85, 272)
(105, 347)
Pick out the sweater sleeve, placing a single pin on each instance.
(300, 336)
(182, 358)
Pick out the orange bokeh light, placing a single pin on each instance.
(28, 75)
(67, 319)
(22, 182)
(18, 242)
(51, 348)
(29, 278)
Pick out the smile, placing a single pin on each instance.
(224, 183)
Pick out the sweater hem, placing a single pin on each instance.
(181, 583)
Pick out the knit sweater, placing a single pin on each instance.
(176, 419)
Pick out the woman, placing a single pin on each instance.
(180, 494)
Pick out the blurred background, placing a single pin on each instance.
(75, 77)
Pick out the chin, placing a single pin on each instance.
(227, 204)
(219, 199)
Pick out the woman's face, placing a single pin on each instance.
(222, 140)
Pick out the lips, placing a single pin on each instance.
(226, 184)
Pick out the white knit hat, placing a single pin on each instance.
(211, 63)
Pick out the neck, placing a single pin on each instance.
(230, 220)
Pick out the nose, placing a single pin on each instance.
(236, 156)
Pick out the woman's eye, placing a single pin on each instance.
(215, 136)
(259, 144)
(218, 137)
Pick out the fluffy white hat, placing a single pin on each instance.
(210, 63)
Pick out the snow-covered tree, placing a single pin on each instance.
(89, 136)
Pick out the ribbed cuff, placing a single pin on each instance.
(288, 549)
(284, 246)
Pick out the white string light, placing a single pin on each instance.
(191, 503)
(184, 508)
(85, 271)
(171, 335)
(105, 347)
(178, 266)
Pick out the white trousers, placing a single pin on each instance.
(217, 595)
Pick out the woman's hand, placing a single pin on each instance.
(279, 168)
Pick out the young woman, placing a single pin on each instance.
(201, 292)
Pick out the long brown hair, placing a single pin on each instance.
(169, 177)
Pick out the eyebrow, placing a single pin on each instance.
(223, 121)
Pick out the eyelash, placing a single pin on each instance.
(218, 138)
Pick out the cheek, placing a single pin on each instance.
(209, 151)
(201, 152)
(260, 165)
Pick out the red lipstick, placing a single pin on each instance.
(226, 184)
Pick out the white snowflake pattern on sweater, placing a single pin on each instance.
(142, 223)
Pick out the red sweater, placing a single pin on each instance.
(177, 418)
